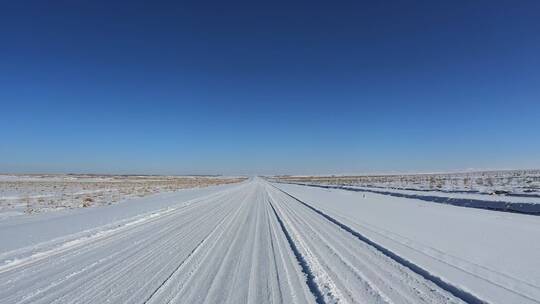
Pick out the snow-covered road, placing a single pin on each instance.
(252, 242)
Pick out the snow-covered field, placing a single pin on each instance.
(510, 191)
(508, 182)
(27, 194)
(262, 242)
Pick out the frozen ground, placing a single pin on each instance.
(257, 242)
(28, 194)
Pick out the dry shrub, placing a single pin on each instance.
(87, 202)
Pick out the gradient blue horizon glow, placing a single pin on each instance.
(270, 87)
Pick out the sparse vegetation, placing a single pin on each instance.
(490, 182)
(38, 193)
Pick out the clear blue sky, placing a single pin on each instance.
(269, 86)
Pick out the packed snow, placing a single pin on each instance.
(263, 242)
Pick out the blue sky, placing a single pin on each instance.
(269, 87)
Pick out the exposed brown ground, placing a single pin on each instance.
(38, 193)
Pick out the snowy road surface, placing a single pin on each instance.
(253, 242)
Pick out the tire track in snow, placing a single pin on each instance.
(454, 290)
(184, 261)
(306, 269)
(250, 245)
(33, 254)
(136, 251)
(247, 260)
(193, 254)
